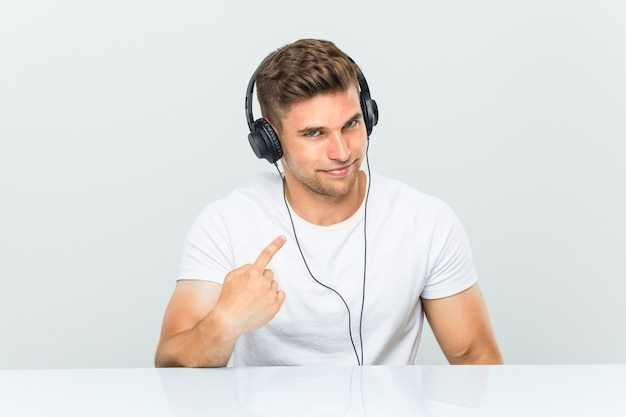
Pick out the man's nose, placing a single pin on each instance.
(338, 147)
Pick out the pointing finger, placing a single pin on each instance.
(268, 253)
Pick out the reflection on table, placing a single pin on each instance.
(370, 391)
(327, 391)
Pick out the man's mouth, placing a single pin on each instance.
(339, 172)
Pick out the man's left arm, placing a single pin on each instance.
(462, 327)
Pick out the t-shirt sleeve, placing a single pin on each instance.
(451, 265)
(207, 251)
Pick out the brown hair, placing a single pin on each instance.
(299, 71)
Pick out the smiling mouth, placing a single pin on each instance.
(339, 172)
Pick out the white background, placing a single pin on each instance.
(120, 120)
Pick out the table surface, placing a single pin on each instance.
(437, 390)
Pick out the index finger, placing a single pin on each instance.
(268, 253)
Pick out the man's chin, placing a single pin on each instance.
(337, 186)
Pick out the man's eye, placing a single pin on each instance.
(351, 123)
(313, 133)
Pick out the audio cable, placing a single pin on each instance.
(360, 360)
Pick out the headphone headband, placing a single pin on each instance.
(250, 92)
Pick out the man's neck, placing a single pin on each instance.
(324, 210)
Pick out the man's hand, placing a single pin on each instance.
(204, 319)
(250, 297)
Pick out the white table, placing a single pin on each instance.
(371, 391)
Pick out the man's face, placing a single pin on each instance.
(324, 140)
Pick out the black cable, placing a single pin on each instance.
(367, 196)
(359, 360)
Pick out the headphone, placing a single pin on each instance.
(263, 138)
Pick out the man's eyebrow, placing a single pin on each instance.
(356, 116)
(310, 129)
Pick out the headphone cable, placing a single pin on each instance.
(360, 361)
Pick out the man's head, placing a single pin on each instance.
(315, 99)
(299, 71)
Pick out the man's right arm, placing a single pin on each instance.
(191, 334)
(203, 319)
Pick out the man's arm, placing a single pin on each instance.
(191, 332)
(203, 320)
(462, 328)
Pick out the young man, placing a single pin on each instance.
(325, 263)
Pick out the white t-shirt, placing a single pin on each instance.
(416, 247)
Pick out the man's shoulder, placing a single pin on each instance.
(262, 190)
(395, 191)
(265, 179)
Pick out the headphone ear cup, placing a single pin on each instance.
(370, 112)
(264, 141)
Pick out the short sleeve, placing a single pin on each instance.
(451, 265)
(206, 253)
